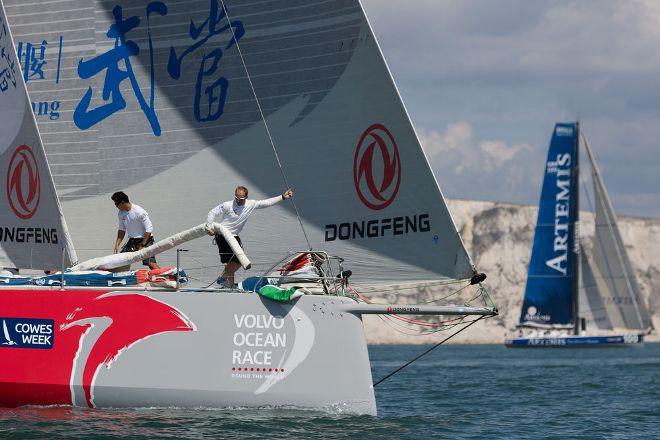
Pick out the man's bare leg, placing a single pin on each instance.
(230, 270)
(153, 266)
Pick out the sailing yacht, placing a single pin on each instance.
(569, 286)
(175, 103)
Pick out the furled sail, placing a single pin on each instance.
(33, 233)
(549, 292)
(157, 98)
(620, 293)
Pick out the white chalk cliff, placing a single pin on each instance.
(499, 238)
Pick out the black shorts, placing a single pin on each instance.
(226, 254)
(133, 244)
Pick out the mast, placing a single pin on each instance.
(576, 231)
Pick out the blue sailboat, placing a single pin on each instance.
(568, 286)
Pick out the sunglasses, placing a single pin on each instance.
(240, 199)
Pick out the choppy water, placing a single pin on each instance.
(455, 392)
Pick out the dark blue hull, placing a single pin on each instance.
(575, 341)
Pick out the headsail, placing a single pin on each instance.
(33, 233)
(181, 129)
(549, 292)
(592, 305)
(620, 290)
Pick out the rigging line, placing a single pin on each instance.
(456, 292)
(415, 285)
(263, 118)
(410, 331)
(401, 290)
(481, 293)
(427, 351)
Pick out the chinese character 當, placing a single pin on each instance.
(213, 93)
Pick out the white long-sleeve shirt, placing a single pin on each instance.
(234, 216)
(135, 222)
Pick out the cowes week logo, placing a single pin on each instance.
(23, 183)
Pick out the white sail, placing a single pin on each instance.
(615, 275)
(182, 129)
(33, 232)
(592, 305)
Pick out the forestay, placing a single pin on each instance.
(177, 128)
(33, 232)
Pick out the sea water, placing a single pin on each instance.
(476, 391)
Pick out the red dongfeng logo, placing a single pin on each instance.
(377, 167)
(23, 183)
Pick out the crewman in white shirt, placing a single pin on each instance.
(234, 216)
(134, 221)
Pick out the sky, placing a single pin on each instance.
(485, 81)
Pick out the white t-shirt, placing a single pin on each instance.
(135, 222)
(234, 216)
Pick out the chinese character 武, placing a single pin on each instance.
(124, 49)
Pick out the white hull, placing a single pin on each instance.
(188, 349)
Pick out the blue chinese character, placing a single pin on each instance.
(109, 61)
(33, 60)
(8, 73)
(215, 93)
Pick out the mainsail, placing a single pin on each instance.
(549, 293)
(33, 233)
(159, 104)
(614, 276)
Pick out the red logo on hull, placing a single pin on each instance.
(92, 329)
(377, 167)
(23, 183)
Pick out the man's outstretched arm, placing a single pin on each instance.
(274, 200)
